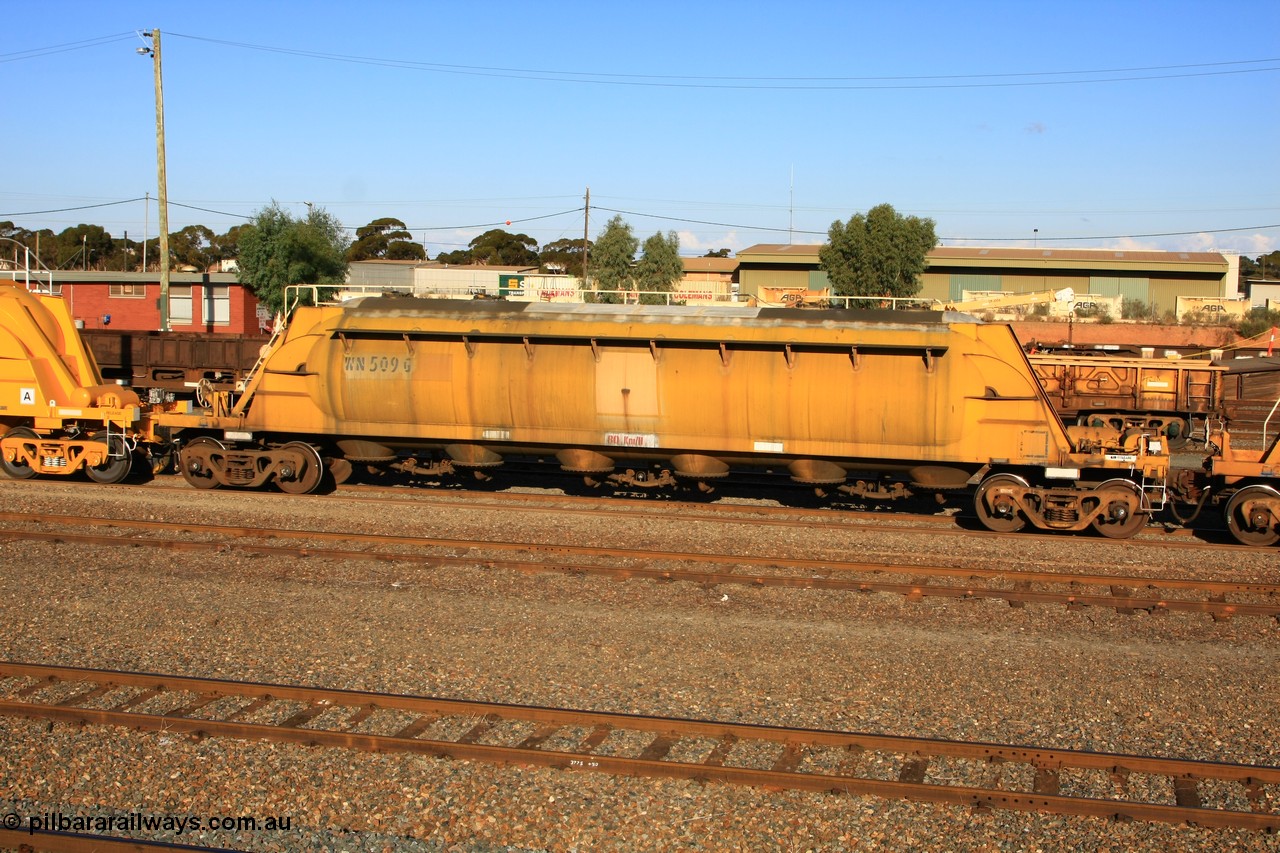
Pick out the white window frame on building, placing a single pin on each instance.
(180, 304)
(218, 304)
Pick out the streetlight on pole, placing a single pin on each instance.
(154, 50)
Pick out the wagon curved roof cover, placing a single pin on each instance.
(380, 306)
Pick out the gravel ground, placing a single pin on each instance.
(1174, 685)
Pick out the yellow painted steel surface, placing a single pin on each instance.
(911, 386)
(47, 374)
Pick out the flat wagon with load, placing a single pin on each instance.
(182, 363)
(1175, 398)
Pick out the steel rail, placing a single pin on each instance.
(78, 842)
(583, 733)
(240, 531)
(832, 519)
(728, 513)
(1121, 589)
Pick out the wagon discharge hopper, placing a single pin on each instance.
(58, 415)
(877, 404)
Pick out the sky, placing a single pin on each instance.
(1126, 124)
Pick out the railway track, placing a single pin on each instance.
(973, 774)
(826, 517)
(818, 518)
(84, 842)
(1018, 587)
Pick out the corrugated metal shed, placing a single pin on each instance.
(1211, 262)
(1155, 278)
(391, 274)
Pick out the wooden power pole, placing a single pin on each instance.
(586, 228)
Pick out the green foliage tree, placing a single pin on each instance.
(880, 254)
(1257, 321)
(385, 238)
(405, 250)
(457, 256)
(1136, 309)
(496, 247)
(1263, 266)
(612, 260)
(194, 246)
(126, 255)
(276, 250)
(83, 246)
(659, 267)
(563, 255)
(42, 244)
(718, 253)
(10, 231)
(229, 243)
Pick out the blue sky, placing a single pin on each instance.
(1073, 125)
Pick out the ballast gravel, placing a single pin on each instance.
(1175, 685)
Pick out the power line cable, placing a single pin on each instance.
(491, 224)
(1013, 78)
(207, 210)
(37, 52)
(950, 81)
(69, 209)
(957, 239)
(668, 218)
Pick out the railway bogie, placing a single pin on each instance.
(1244, 484)
(292, 466)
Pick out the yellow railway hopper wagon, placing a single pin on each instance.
(878, 404)
(58, 416)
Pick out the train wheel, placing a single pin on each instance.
(118, 463)
(1122, 516)
(1253, 525)
(306, 478)
(18, 470)
(193, 459)
(995, 504)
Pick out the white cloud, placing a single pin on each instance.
(1249, 245)
(692, 244)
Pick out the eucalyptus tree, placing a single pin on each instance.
(881, 253)
(659, 268)
(613, 259)
(276, 250)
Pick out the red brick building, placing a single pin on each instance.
(198, 302)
